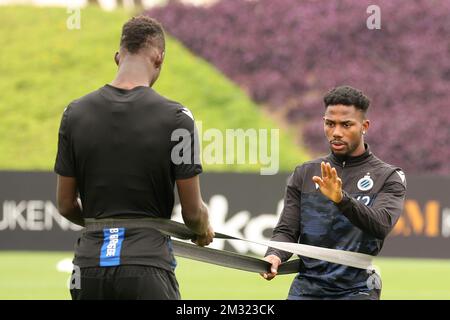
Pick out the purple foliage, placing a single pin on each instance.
(288, 53)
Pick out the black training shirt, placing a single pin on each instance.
(118, 144)
(374, 194)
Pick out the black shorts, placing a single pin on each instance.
(127, 282)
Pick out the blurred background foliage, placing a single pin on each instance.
(45, 66)
(288, 53)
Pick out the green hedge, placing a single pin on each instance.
(45, 66)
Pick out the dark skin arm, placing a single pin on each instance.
(67, 200)
(194, 211)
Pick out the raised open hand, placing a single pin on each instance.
(329, 184)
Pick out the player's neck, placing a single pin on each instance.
(359, 151)
(133, 73)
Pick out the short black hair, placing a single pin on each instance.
(140, 32)
(347, 96)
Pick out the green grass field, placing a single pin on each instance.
(33, 275)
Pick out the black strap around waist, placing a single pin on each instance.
(191, 251)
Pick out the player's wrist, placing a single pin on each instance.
(339, 197)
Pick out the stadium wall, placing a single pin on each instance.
(29, 219)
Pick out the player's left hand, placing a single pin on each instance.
(329, 184)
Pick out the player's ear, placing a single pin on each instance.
(366, 125)
(159, 60)
(117, 58)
